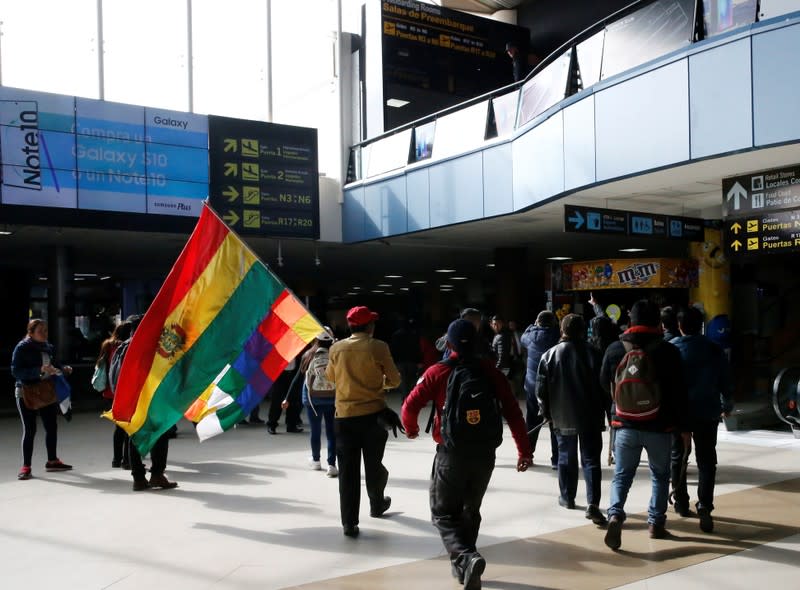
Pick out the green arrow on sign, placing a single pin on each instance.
(231, 218)
(230, 145)
(736, 245)
(231, 193)
(231, 169)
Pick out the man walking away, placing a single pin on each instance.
(708, 377)
(361, 368)
(470, 395)
(501, 345)
(571, 399)
(537, 339)
(650, 403)
(160, 450)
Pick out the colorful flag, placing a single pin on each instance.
(220, 317)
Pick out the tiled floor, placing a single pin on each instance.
(249, 513)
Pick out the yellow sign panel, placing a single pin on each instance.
(389, 29)
(250, 171)
(752, 243)
(752, 225)
(444, 40)
(634, 273)
(249, 148)
(252, 219)
(251, 195)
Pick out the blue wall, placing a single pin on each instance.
(729, 94)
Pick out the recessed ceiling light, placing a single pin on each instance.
(404, 288)
(633, 250)
(458, 278)
(105, 278)
(560, 258)
(396, 103)
(5, 232)
(446, 286)
(418, 282)
(378, 291)
(351, 293)
(445, 270)
(356, 288)
(393, 276)
(490, 265)
(384, 285)
(85, 274)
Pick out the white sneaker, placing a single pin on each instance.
(332, 471)
(315, 465)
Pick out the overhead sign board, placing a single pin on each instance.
(264, 177)
(631, 223)
(80, 153)
(771, 232)
(760, 192)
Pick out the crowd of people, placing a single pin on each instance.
(658, 383)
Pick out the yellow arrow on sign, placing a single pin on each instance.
(231, 169)
(736, 227)
(736, 245)
(231, 218)
(231, 193)
(229, 145)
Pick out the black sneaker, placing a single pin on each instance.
(593, 513)
(473, 571)
(351, 530)
(381, 510)
(706, 522)
(568, 504)
(272, 430)
(613, 538)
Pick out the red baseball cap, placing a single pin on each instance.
(360, 315)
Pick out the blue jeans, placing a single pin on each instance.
(628, 447)
(315, 420)
(591, 445)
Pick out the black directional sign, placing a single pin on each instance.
(264, 177)
(772, 231)
(631, 223)
(761, 192)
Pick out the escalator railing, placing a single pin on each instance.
(785, 397)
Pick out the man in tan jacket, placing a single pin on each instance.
(362, 369)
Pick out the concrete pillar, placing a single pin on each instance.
(61, 303)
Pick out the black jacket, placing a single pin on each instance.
(674, 411)
(501, 345)
(568, 389)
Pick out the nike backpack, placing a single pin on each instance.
(471, 417)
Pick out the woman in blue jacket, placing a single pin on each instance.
(33, 361)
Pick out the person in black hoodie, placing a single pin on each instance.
(536, 340)
(571, 399)
(654, 435)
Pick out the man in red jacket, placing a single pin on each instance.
(461, 474)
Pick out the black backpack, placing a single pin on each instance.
(116, 364)
(471, 417)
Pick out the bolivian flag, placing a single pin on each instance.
(221, 318)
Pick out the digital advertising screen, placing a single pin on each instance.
(720, 16)
(93, 155)
(264, 177)
(545, 89)
(648, 33)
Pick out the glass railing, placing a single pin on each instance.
(641, 32)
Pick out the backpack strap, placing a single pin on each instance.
(449, 362)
